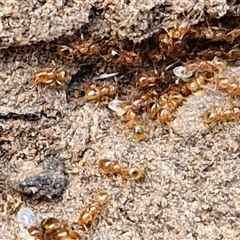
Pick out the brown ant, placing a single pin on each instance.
(56, 230)
(139, 132)
(213, 33)
(147, 79)
(123, 57)
(51, 76)
(80, 47)
(130, 117)
(171, 43)
(179, 50)
(35, 232)
(196, 83)
(125, 109)
(114, 167)
(153, 108)
(97, 92)
(210, 53)
(90, 212)
(109, 166)
(216, 65)
(218, 114)
(165, 42)
(204, 71)
(140, 102)
(216, 34)
(162, 108)
(179, 31)
(229, 84)
(168, 103)
(232, 35)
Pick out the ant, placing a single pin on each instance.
(35, 232)
(123, 57)
(216, 65)
(210, 53)
(217, 114)
(216, 34)
(172, 42)
(109, 166)
(97, 92)
(180, 30)
(90, 212)
(229, 84)
(168, 103)
(51, 76)
(84, 47)
(56, 230)
(148, 79)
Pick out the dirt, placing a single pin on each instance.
(51, 138)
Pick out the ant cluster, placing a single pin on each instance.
(193, 75)
(53, 229)
(159, 93)
(162, 90)
(50, 228)
(59, 76)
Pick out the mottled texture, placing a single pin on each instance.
(27, 22)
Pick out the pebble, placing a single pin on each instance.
(26, 217)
